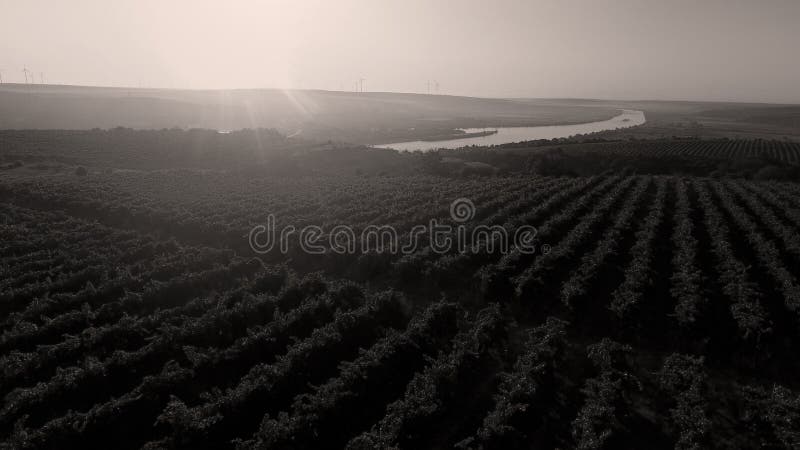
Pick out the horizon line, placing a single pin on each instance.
(511, 98)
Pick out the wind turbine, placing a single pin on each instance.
(25, 71)
(41, 77)
(361, 84)
(436, 86)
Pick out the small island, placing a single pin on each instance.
(459, 134)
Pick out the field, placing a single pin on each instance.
(660, 309)
(377, 225)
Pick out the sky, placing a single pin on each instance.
(724, 50)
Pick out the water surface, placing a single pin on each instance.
(506, 135)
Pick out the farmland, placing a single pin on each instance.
(377, 225)
(661, 309)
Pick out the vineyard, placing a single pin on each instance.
(784, 152)
(659, 312)
(389, 225)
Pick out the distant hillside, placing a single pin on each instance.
(370, 117)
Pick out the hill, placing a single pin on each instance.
(360, 117)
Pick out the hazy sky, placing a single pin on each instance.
(633, 49)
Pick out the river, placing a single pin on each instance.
(505, 135)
